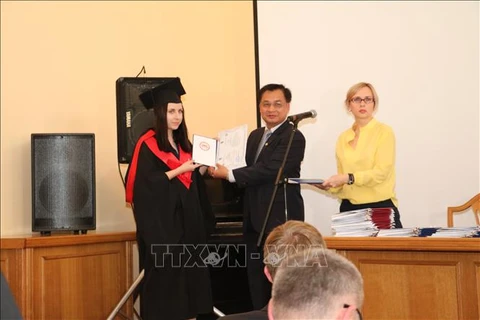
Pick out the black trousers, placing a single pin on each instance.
(259, 286)
(346, 205)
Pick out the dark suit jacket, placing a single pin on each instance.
(258, 178)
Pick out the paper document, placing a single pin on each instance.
(306, 181)
(204, 150)
(228, 150)
(232, 144)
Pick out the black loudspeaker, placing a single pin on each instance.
(133, 119)
(63, 182)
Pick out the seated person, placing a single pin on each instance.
(316, 284)
(289, 238)
(8, 309)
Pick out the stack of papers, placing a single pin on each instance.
(383, 218)
(379, 222)
(361, 229)
(401, 232)
(427, 232)
(362, 223)
(458, 232)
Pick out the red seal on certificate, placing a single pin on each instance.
(204, 146)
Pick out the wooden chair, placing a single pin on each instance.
(473, 203)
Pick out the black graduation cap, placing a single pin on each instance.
(170, 91)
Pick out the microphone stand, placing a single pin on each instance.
(277, 182)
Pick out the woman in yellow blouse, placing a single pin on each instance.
(365, 157)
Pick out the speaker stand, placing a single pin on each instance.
(127, 295)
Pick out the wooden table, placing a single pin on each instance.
(84, 276)
(416, 278)
(68, 276)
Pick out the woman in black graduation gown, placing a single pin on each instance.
(171, 213)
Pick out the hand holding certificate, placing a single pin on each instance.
(228, 150)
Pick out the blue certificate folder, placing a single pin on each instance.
(305, 181)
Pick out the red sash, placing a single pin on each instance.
(167, 157)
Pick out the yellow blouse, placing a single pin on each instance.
(372, 163)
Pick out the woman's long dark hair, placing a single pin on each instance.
(180, 136)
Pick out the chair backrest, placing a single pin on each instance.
(473, 203)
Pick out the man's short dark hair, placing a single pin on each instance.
(275, 86)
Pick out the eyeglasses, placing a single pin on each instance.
(276, 104)
(358, 311)
(358, 100)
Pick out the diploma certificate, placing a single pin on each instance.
(228, 150)
(305, 181)
(204, 150)
(232, 144)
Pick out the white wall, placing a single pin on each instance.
(423, 59)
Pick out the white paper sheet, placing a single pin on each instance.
(204, 150)
(232, 144)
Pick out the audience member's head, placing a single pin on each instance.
(287, 239)
(316, 284)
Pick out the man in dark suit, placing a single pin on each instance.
(266, 147)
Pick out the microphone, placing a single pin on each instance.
(297, 117)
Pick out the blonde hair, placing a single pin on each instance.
(287, 239)
(354, 89)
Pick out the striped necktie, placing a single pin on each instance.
(265, 137)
